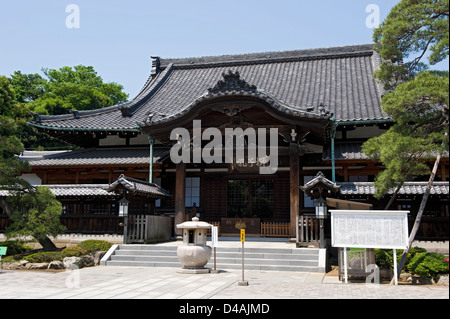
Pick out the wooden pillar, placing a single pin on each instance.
(294, 189)
(180, 189)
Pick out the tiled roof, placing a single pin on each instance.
(296, 82)
(318, 184)
(97, 156)
(409, 188)
(138, 187)
(103, 190)
(90, 190)
(75, 190)
(345, 151)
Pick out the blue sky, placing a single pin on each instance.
(118, 37)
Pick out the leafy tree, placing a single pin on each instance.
(37, 214)
(419, 109)
(34, 212)
(77, 88)
(418, 101)
(28, 87)
(58, 92)
(412, 28)
(10, 166)
(7, 96)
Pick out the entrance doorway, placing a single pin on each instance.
(250, 199)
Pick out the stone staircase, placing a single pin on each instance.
(259, 258)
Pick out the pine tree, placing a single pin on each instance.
(418, 99)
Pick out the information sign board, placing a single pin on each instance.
(369, 229)
(3, 251)
(242, 235)
(214, 236)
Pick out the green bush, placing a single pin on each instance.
(73, 252)
(44, 257)
(384, 258)
(15, 247)
(92, 245)
(428, 265)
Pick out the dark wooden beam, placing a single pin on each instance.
(180, 185)
(294, 187)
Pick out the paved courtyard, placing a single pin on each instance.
(110, 282)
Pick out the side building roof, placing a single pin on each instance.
(95, 157)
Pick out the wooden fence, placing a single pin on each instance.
(148, 228)
(308, 231)
(275, 229)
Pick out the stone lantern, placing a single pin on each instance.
(194, 254)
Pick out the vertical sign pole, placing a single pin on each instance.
(214, 243)
(345, 265)
(242, 261)
(243, 282)
(395, 267)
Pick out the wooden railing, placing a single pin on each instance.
(275, 229)
(308, 231)
(137, 229)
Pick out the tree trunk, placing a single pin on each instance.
(393, 197)
(47, 244)
(415, 228)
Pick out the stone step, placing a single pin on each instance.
(259, 258)
(222, 254)
(221, 260)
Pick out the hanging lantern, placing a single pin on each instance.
(123, 207)
(321, 208)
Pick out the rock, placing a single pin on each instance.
(56, 264)
(87, 261)
(386, 274)
(98, 255)
(422, 281)
(72, 262)
(11, 266)
(405, 277)
(442, 279)
(23, 263)
(34, 266)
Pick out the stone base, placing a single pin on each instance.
(194, 271)
(243, 283)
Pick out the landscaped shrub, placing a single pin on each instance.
(384, 258)
(92, 245)
(73, 252)
(428, 265)
(15, 247)
(83, 248)
(44, 257)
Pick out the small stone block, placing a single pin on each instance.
(194, 271)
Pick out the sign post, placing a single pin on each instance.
(2, 253)
(214, 243)
(369, 229)
(243, 282)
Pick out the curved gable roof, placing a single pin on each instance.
(340, 79)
